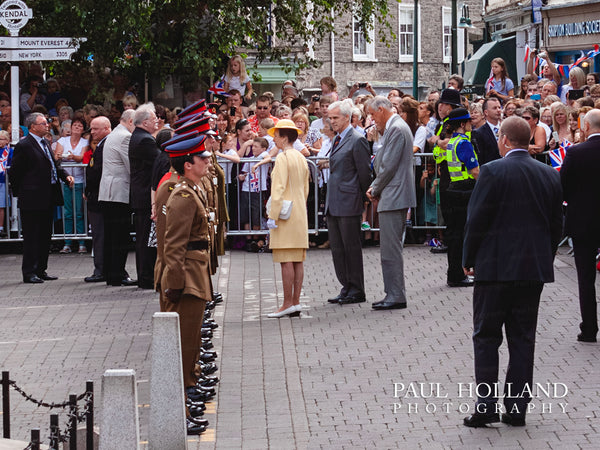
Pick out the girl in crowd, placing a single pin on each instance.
(237, 78)
(592, 78)
(499, 85)
(575, 137)
(71, 149)
(576, 81)
(329, 87)
(289, 238)
(560, 125)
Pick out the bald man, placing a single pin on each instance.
(579, 180)
(514, 225)
(99, 128)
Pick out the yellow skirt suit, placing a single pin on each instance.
(289, 181)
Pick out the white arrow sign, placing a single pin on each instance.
(37, 42)
(37, 54)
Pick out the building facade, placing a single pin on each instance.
(350, 58)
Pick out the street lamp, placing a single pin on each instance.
(465, 22)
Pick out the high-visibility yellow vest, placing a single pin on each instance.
(439, 154)
(456, 168)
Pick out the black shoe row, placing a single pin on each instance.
(479, 420)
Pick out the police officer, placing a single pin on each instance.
(449, 100)
(185, 283)
(463, 169)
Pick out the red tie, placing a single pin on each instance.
(336, 141)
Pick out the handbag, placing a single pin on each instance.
(286, 208)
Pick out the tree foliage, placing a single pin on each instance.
(195, 38)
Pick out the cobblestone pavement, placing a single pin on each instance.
(325, 380)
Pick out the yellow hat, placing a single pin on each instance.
(284, 123)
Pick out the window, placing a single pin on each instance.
(406, 32)
(447, 36)
(362, 50)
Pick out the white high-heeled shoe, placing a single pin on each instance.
(292, 311)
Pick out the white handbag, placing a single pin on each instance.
(286, 209)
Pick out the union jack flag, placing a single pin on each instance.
(217, 88)
(4, 159)
(254, 182)
(558, 155)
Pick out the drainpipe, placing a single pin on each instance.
(332, 48)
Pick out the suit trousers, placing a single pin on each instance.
(96, 221)
(191, 316)
(456, 218)
(145, 256)
(346, 250)
(514, 305)
(37, 235)
(585, 263)
(391, 229)
(117, 223)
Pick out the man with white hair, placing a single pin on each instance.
(578, 176)
(142, 153)
(350, 174)
(394, 187)
(114, 201)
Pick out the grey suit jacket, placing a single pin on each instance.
(114, 185)
(349, 176)
(394, 182)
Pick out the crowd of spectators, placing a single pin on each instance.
(553, 107)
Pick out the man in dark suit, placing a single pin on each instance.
(394, 187)
(99, 128)
(485, 138)
(513, 228)
(35, 179)
(350, 175)
(579, 174)
(142, 153)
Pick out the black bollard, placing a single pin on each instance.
(35, 439)
(54, 432)
(5, 406)
(73, 422)
(89, 417)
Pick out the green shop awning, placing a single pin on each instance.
(477, 68)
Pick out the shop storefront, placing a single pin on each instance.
(569, 31)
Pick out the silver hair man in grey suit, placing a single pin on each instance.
(349, 178)
(114, 201)
(394, 187)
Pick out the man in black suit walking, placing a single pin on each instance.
(485, 138)
(142, 153)
(35, 179)
(579, 175)
(350, 175)
(513, 228)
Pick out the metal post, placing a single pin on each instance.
(454, 64)
(416, 50)
(5, 406)
(54, 431)
(73, 422)
(89, 417)
(35, 439)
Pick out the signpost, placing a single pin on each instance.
(14, 15)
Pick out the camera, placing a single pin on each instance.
(316, 98)
(362, 85)
(232, 111)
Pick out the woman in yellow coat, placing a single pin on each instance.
(289, 238)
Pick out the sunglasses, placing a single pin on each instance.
(527, 118)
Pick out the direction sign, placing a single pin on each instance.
(37, 54)
(37, 42)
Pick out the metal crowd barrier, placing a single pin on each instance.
(244, 223)
(12, 220)
(240, 203)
